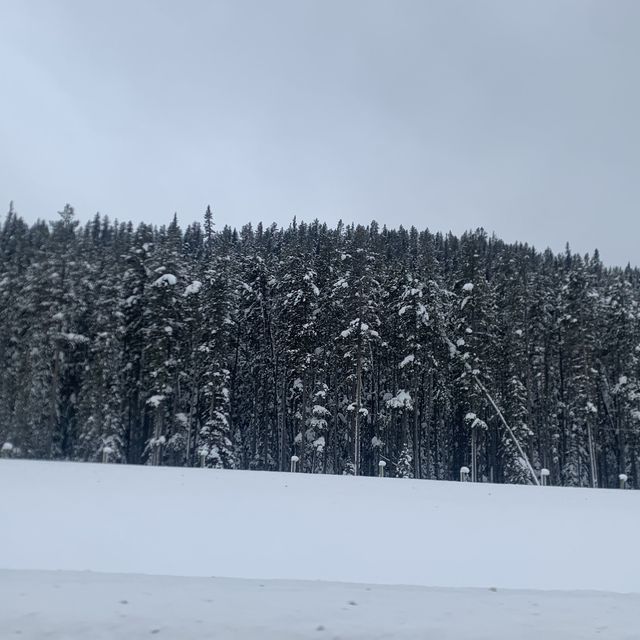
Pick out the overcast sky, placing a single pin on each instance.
(520, 117)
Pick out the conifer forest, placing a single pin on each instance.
(342, 346)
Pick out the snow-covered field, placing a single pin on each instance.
(209, 528)
(77, 606)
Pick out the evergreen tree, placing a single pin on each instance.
(344, 346)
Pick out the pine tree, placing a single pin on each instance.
(343, 346)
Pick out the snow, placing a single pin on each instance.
(154, 401)
(75, 338)
(211, 574)
(376, 442)
(76, 606)
(410, 358)
(468, 287)
(166, 279)
(148, 520)
(7, 447)
(193, 288)
(319, 410)
(402, 400)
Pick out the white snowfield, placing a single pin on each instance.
(68, 517)
(77, 606)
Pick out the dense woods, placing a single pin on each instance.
(344, 346)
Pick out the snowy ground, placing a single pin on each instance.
(60, 518)
(77, 606)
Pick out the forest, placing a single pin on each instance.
(345, 346)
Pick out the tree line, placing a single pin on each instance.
(343, 346)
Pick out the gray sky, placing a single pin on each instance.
(519, 116)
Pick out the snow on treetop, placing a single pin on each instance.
(402, 400)
(623, 476)
(7, 446)
(154, 401)
(75, 338)
(464, 469)
(166, 279)
(467, 287)
(475, 421)
(410, 358)
(182, 418)
(194, 287)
